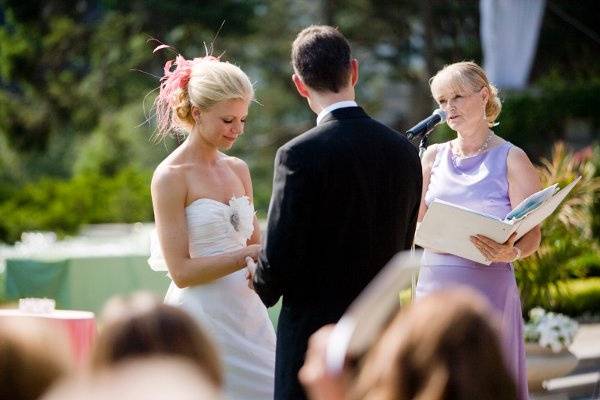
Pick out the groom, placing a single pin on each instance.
(345, 199)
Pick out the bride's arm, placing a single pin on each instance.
(168, 200)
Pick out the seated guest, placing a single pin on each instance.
(145, 378)
(141, 325)
(33, 356)
(443, 347)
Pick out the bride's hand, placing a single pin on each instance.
(252, 251)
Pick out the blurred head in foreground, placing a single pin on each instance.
(33, 356)
(147, 378)
(141, 325)
(444, 346)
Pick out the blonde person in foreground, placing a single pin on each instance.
(483, 172)
(205, 218)
(444, 347)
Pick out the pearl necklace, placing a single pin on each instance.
(480, 150)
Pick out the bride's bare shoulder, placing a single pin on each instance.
(169, 177)
(174, 166)
(238, 166)
(235, 163)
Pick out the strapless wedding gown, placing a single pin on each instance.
(226, 308)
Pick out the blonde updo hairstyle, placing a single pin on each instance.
(201, 82)
(466, 77)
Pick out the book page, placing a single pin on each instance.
(538, 215)
(447, 229)
(532, 202)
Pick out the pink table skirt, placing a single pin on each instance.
(79, 326)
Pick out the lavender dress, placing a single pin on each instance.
(479, 183)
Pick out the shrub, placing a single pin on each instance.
(64, 205)
(588, 265)
(566, 234)
(583, 298)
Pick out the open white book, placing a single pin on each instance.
(446, 227)
(364, 320)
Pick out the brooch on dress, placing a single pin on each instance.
(240, 215)
(234, 219)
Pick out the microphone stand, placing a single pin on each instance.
(424, 140)
(423, 144)
(424, 128)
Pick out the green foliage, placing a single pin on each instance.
(568, 49)
(72, 94)
(10, 166)
(583, 298)
(533, 119)
(64, 205)
(587, 265)
(566, 234)
(2, 288)
(119, 141)
(15, 46)
(595, 160)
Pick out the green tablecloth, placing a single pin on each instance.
(86, 283)
(82, 283)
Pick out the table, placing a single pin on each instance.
(79, 327)
(82, 283)
(86, 283)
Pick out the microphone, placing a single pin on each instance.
(427, 125)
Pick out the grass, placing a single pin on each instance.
(582, 299)
(2, 288)
(274, 313)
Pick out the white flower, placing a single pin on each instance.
(549, 329)
(240, 215)
(531, 333)
(536, 314)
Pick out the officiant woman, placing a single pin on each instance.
(485, 173)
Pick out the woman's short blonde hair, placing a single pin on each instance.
(467, 77)
(201, 82)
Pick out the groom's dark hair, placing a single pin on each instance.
(321, 57)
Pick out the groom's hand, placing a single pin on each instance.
(251, 251)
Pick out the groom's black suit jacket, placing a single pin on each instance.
(345, 200)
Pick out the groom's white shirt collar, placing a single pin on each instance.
(335, 106)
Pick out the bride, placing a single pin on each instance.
(205, 219)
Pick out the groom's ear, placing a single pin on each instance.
(300, 86)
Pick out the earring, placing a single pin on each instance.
(484, 114)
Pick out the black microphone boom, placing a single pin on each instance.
(427, 125)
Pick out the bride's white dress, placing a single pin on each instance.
(226, 308)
